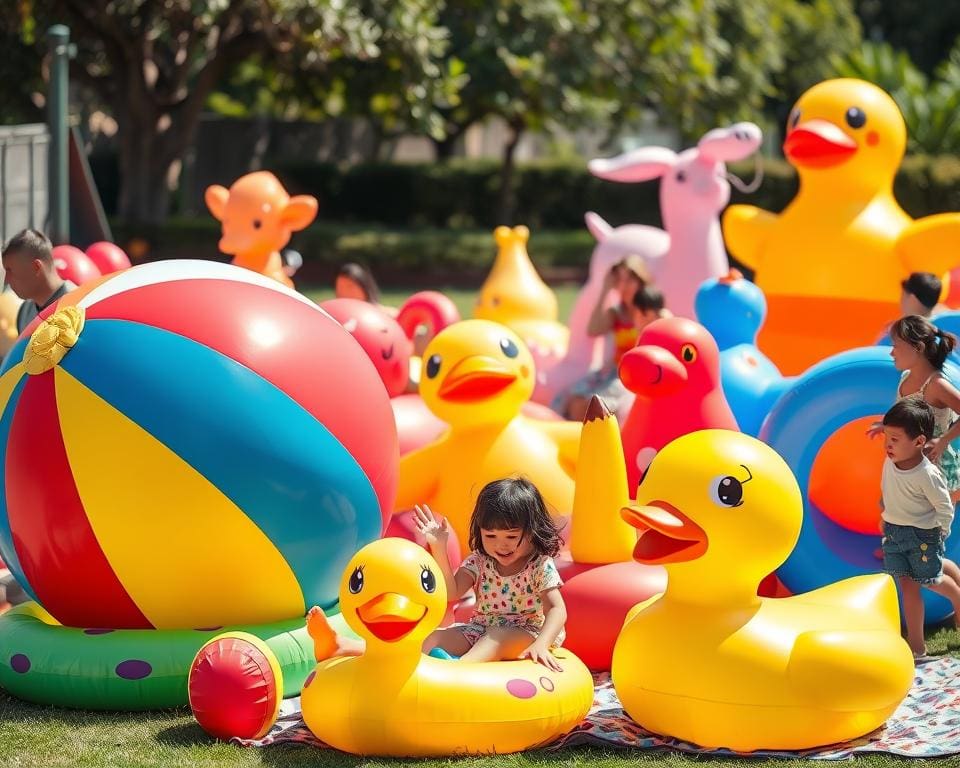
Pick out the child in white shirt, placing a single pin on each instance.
(917, 515)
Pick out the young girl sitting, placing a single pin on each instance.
(520, 613)
(920, 351)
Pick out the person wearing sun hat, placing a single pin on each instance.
(921, 294)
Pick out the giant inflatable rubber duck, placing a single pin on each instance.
(395, 701)
(675, 372)
(709, 661)
(733, 310)
(831, 263)
(477, 376)
(515, 295)
(258, 217)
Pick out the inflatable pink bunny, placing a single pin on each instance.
(693, 190)
(587, 353)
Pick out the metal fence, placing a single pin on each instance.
(24, 152)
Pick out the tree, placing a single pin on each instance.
(20, 67)
(155, 63)
(925, 30)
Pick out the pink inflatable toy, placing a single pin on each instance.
(108, 257)
(74, 265)
(429, 308)
(693, 190)
(588, 353)
(675, 373)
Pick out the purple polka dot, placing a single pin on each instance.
(547, 684)
(97, 631)
(20, 663)
(207, 629)
(522, 689)
(133, 669)
(309, 679)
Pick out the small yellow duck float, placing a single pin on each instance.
(832, 262)
(477, 376)
(395, 701)
(515, 295)
(709, 661)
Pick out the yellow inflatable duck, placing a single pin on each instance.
(514, 294)
(832, 262)
(709, 661)
(477, 375)
(395, 701)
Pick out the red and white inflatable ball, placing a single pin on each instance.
(108, 257)
(74, 265)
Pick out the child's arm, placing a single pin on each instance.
(941, 393)
(554, 617)
(601, 319)
(937, 493)
(437, 534)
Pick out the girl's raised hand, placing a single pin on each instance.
(434, 531)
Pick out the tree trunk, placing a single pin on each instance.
(507, 204)
(144, 196)
(444, 148)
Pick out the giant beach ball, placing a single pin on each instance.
(189, 444)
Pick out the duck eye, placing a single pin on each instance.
(509, 348)
(427, 580)
(433, 366)
(688, 352)
(681, 176)
(257, 223)
(356, 580)
(855, 117)
(794, 118)
(726, 491)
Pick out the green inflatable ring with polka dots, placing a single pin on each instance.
(127, 669)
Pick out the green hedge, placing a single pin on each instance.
(437, 220)
(555, 195)
(549, 195)
(439, 256)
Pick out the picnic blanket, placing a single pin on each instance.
(927, 724)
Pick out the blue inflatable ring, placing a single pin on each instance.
(836, 391)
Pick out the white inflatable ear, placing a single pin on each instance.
(641, 164)
(728, 144)
(597, 226)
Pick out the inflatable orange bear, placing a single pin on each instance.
(258, 217)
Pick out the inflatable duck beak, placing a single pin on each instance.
(666, 534)
(649, 369)
(818, 144)
(476, 378)
(390, 616)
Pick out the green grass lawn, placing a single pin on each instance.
(48, 737)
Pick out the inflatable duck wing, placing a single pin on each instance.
(831, 263)
(710, 661)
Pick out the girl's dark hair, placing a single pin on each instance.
(935, 345)
(362, 277)
(514, 502)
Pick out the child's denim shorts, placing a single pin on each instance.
(916, 553)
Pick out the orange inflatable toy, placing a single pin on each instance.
(258, 217)
(832, 262)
